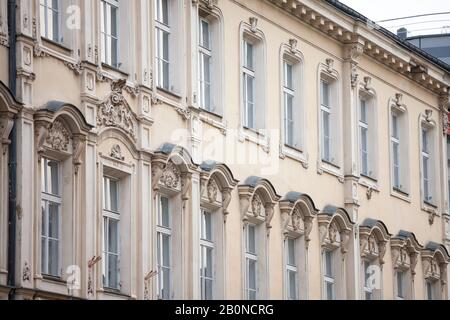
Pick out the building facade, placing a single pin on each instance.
(219, 149)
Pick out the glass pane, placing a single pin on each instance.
(114, 194)
(204, 41)
(53, 220)
(114, 53)
(166, 250)
(165, 45)
(289, 120)
(330, 290)
(55, 22)
(429, 291)
(53, 257)
(113, 271)
(251, 239)
(208, 295)
(395, 126)
(43, 23)
(329, 264)
(251, 274)
(288, 83)
(292, 279)
(207, 226)
(291, 252)
(165, 283)
(53, 177)
(248, 55)
(251, 295)
(206, 68)
(325, 94)
(44, 259)
(50, 21)
(363, 115)
(165, 213)
(400, 284)
(44, 230)
(162, 11)
(113, 236)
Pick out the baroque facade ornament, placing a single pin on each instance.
(26, 272)
(58, 137)
(171, 177)
(256, 205)
(213, 190)
(115, 111)
(116, 153)
(77, 68)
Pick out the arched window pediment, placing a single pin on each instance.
(435, 259)
(373, 236)
(297, 212)
(217, 183)
(405, 251)
(335, 228)
(257, 200)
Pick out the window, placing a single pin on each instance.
(163, 33)
(328, 117)
(291, 269)
(51, 217)
(429, 288)
(50, 16)
(428, 173)
(204, 64)
(110, 32)
(111, 241)
(401, 293)
(291, 104)
(399, 151)
(364, 138)
(164, 248)
(251, 259)
(329, 276)
(368, 290)
(249, 86)
(395, 141)
(207, 254)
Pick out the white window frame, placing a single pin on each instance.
(163, 80)
(329, 278)
(366, 289)
(364, 154)
(292, 269)
(396, 152)
(106, 36)
(205, 51)
(108, 215)
(46, 199)
(289, 92)
(207, 244)
(162, 231)
(251, 257)
(429, 194)
(402, 281)
(44, 7)
(248, 72)
(326, 110)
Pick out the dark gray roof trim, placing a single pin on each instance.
(403, 43)
(55, 106)
(293, 197)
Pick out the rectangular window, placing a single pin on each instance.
(395, 145)
(289, 97)
(291, 270)
(51, 217)
(251, 259)
(249, 86)
(430, 289)
(329, 276)
(111, 240)
(204, 64)
(368, 290)
(326, 112)
(164, 248)
(400, 285)
(364, 138)
(162, 37)
(426, 167)
(110, 32)
(206, 255)
(49, 15)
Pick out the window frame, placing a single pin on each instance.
(207, 244)
(107, 55)
(251, 257)
(429, 129)
(163, 80)
(48, 198)
(289, 268)
(110, 215)
(329, 279)
(44, 25)
(202, 53)
(162, 231)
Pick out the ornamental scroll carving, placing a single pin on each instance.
(58, 137)
(115, 111)
(171, 177)
(213, 190)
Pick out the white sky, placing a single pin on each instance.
(377, 10)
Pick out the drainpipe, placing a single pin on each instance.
(12, 163)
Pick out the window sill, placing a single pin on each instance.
(331, 164)
(211, 113)
(332, 169)
(370, 178)
(295, 154)
(399, 194)
(169, 93)
(115, 293)
(109, 68)
(429, 204)
(53, 279)
(253, 136)
(57, 46)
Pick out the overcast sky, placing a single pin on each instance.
(377, 10)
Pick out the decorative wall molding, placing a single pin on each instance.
(58, 137)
